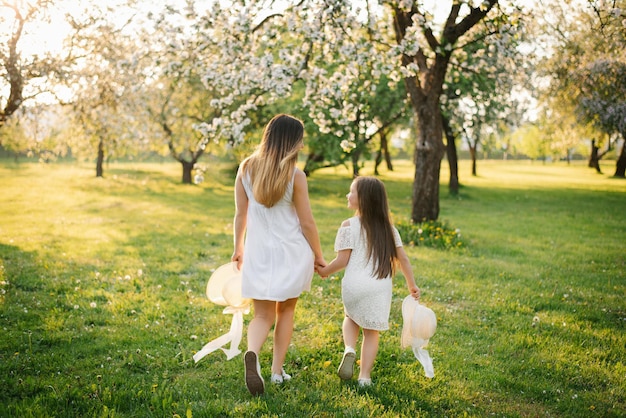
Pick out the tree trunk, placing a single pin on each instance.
(187, 170)
(429, 151)
(13, 66)
(311, 159)
(472, 150)
(354, 156)
(620, 166)
(594, 160)
(453, 159)
(387, 155)
(424, 90)
(100, 159)
(383, 150)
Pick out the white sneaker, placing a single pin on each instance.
(280, 378)
(365, 382)
(346, 368)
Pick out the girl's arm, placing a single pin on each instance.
(339, 263)
(407, 270)
(341, 260)
(240, 221)
(307, 223)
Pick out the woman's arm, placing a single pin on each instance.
(305, 216)
(240, 221)
(407, 270)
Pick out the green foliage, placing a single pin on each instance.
(435, 234)
(530, 140)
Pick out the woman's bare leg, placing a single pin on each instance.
(259, 327)
(283, 331)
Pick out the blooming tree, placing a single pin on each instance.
(602, 101)
(248, 66)
(585, 68)
(248, 57)
(426, 52)
(176, 98)
(479, 97)
(19, 72)
(106, 81)
(342, 52)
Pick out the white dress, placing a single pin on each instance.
(366, 299)
(278, 260)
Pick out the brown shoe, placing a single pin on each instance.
(346, 368)
(252, 369)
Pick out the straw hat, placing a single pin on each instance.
(224, 286)
(419, 323)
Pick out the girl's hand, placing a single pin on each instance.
(415, 292)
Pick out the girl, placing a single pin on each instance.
(368, 246)
(281, 246)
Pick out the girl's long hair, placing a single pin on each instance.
(271, 166)
(376, 223)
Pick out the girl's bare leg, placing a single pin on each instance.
(369, 349)
(350, 332)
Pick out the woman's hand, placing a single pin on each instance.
(238, 258)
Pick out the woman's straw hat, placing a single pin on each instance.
(224, 286)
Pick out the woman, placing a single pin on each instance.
(281, 246)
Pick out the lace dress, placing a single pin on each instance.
(366, 299)
(278, 260)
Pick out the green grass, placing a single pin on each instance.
(102, 298)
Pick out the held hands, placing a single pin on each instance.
(320, 268)
(321, 271)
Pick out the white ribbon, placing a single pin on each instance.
(233, 336)
(423, 357)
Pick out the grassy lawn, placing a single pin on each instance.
(102, 298)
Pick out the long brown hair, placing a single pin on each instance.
(376, 223)
(271, 166)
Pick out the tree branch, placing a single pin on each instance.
(453, 32)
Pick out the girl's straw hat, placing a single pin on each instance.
(419, 325)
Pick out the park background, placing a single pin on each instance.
(497, 126)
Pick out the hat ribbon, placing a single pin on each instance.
(233, 336)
